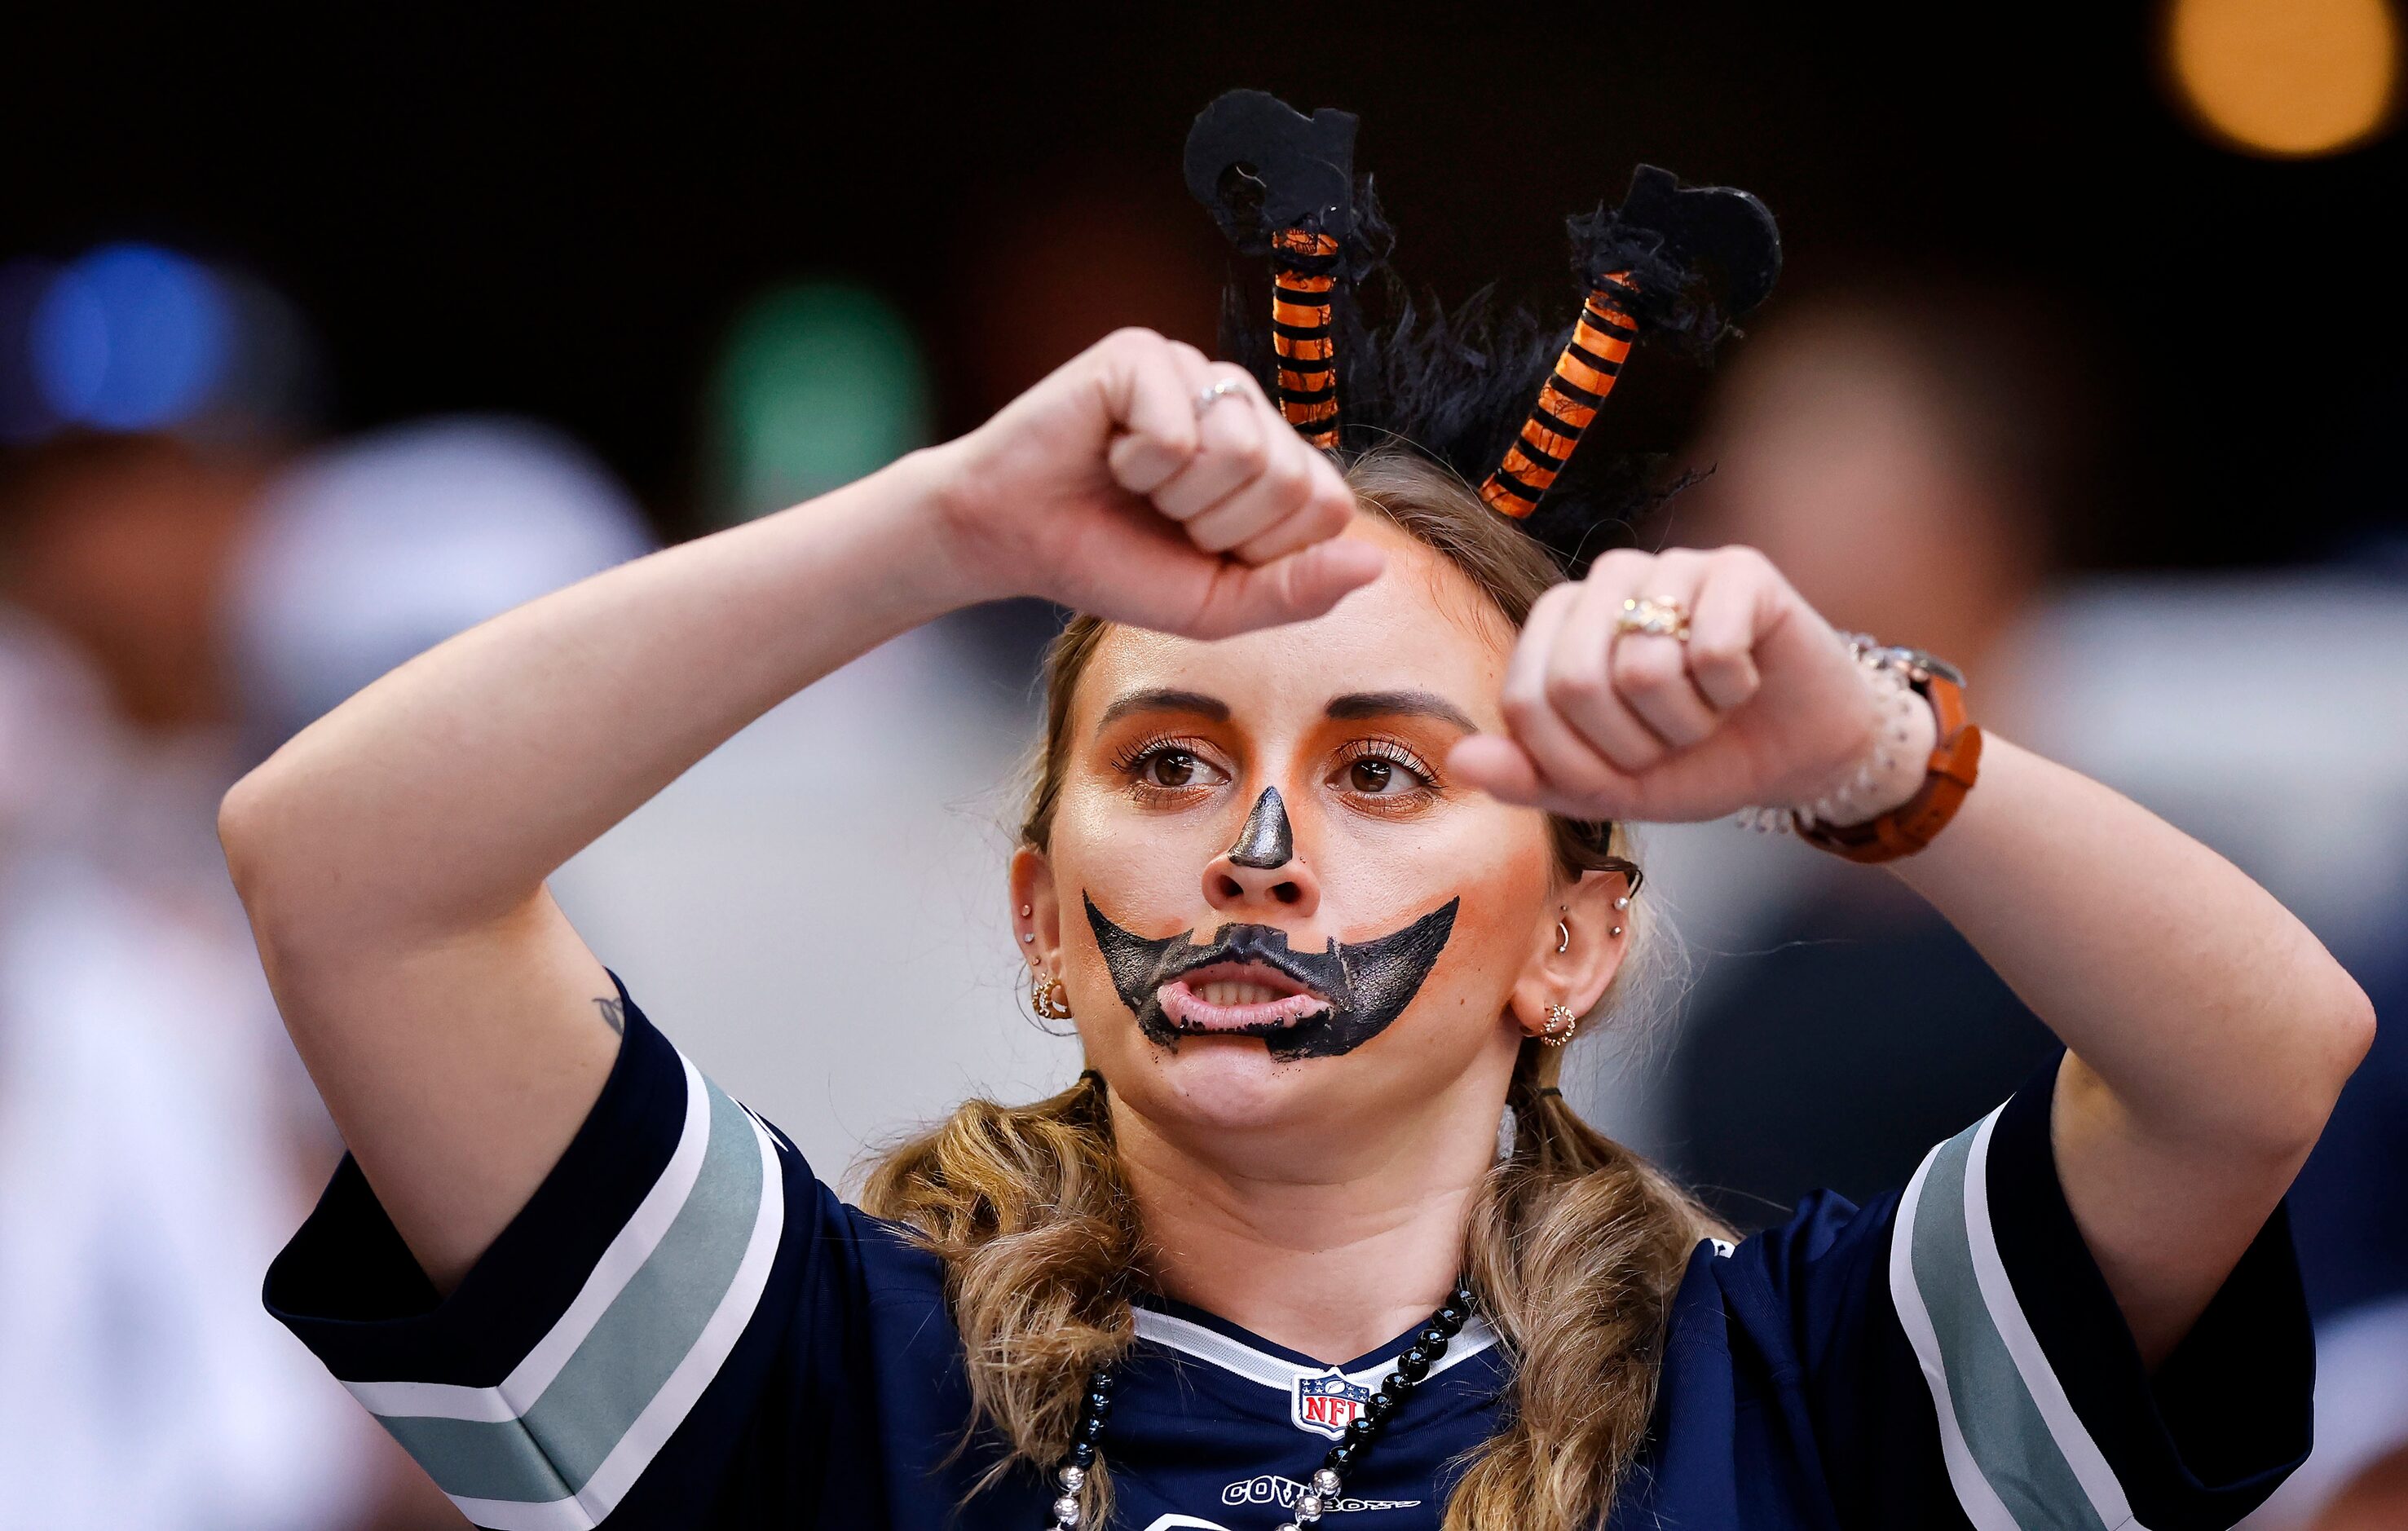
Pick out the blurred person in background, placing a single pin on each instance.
(152, 1137)
(179, 592)
(1909, 454)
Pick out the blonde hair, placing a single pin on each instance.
(1573, 1243)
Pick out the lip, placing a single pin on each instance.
(1183, 1003)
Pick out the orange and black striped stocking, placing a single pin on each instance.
(1584, 376)
(1301, 283)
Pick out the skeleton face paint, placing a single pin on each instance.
(1350, 993)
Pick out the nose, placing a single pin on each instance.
(1260, 869)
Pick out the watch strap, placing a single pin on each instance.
(1955, 763)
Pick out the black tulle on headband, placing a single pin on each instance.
(1488, 389)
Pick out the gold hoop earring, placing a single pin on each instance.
(1560, 1025)
(1046, 997)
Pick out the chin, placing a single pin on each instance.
(1232, 1082)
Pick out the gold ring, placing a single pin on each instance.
(1660, 616)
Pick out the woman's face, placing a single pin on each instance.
(1348, 951)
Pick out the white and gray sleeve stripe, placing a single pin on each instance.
(2017, 1454)
(564, 1437)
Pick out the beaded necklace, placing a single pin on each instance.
(1429, 1342)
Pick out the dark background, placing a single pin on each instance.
(558, 213)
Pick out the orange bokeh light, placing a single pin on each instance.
(2285, 79)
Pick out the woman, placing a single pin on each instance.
(1315, 865)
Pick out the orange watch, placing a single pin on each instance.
(1948, 776)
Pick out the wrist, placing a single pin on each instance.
(881, 541)
(1891, 769)
(1950, 753)
(930, 502)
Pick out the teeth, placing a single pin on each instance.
(1232, 992)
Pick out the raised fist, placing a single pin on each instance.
(1146, 484)
(1759, 703)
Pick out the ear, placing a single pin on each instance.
(1594, 935)
(1039, 930)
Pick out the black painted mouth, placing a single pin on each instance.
(1367, 985)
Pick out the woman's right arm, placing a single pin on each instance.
(393, 855)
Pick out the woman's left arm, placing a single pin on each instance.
(2210, 1031)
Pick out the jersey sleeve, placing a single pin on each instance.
(602, 1361)
(1965, 1362)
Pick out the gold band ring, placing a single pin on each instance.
(1660, 616)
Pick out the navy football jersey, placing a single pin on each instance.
(684, 1328)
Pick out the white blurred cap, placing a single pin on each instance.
(370, 552)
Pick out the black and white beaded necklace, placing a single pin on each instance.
(1429, 1343)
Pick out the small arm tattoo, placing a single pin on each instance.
(614, 1013)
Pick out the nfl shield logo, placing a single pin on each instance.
(1326, 1404)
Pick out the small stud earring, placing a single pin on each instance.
(1024, 911)
(1617, 930)
(1029, 936)
(1621, 902)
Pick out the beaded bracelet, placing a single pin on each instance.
(1842, 820)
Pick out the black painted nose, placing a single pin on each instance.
(1266, 842)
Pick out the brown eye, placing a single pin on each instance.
(1171, 769)
(1383, 774)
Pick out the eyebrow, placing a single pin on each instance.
(1393, 703)
(1163, 700)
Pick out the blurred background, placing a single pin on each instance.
(319, 342)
